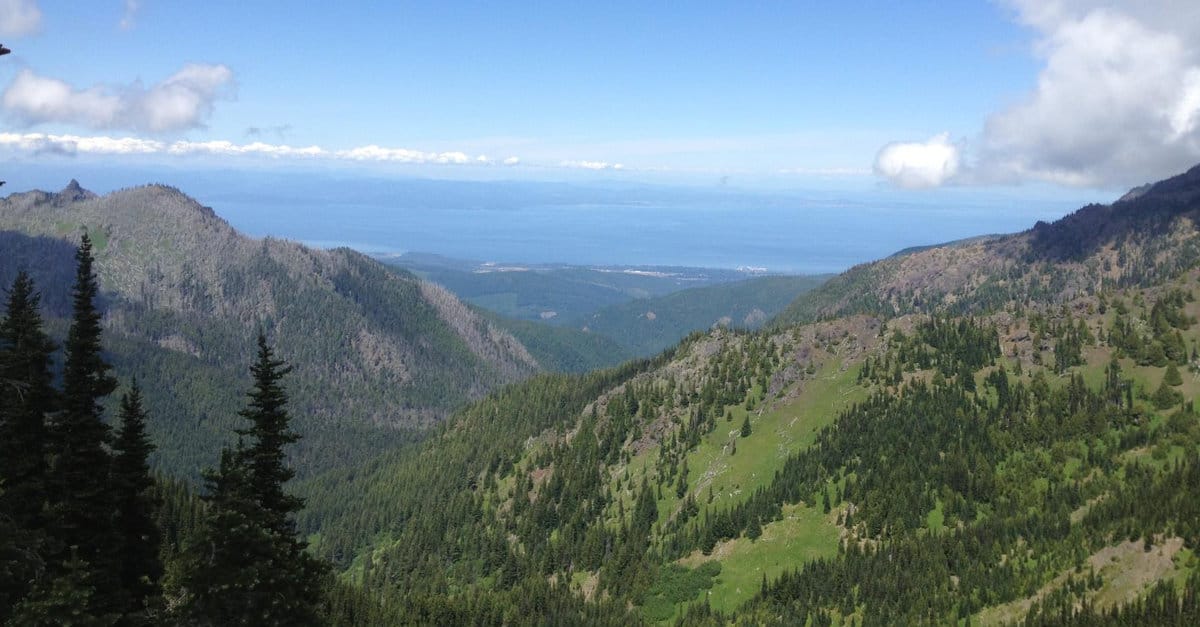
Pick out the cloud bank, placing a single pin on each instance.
(591, 165)
(42, 143)
(19, 18)
(1117, 100)
(185, 100)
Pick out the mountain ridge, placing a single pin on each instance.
(375, 351)
(1149, 236)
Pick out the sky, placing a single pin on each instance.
(1074, 94)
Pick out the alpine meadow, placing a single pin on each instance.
(694, 314)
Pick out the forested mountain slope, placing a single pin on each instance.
(1140, 239)
(647, 326)
(554, 292)
(562, 349)
(377, 353)
(1008, 433)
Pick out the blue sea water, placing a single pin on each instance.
(804, 238)
(628, 224)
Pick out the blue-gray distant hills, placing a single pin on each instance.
(575, 318)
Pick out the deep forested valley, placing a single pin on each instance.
(996, 431)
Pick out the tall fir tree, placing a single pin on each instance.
(245, 564)
(232, 555)
(78, 488)
(268, 434)
(29, 395)
(26, 396)
(137, 504)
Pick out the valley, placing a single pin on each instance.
(1023, 422)
(1000, 427)
(623, 312)
(712, 314)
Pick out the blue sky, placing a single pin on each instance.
(1077, 94)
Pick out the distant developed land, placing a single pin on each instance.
(575, 317)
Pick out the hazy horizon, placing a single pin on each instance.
(799, 231)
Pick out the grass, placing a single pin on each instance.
(98, 233)
(775, 434)
(935, 520)
(1126, 569)
(99, 238)
(804, 534)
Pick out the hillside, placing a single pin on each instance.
(562, 349)
(556, 293)
(377, 354)
(624, 312)
(1036, 459)
(1141, 239)
(647, 326)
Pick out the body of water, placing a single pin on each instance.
(802, 239)
(627, 224)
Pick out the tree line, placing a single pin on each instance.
(89, 536)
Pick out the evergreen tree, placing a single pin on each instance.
(20, 562)
(230, 558)
(28, 395)
(245, 564)
(746, 427)
(1172, 376)
(1165, 397)
(81, 499)
(62, 599)
(137, 508)
(269, 434)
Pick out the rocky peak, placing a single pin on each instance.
(74, 192)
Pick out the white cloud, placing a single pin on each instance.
(129, 17)
(227, 148)
(401, 155)
(38, 143)
(916, 165)
(591, 165)
(184, 100)
(36, 98)
(75, 144)
(19, 17)
(1116, 102)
